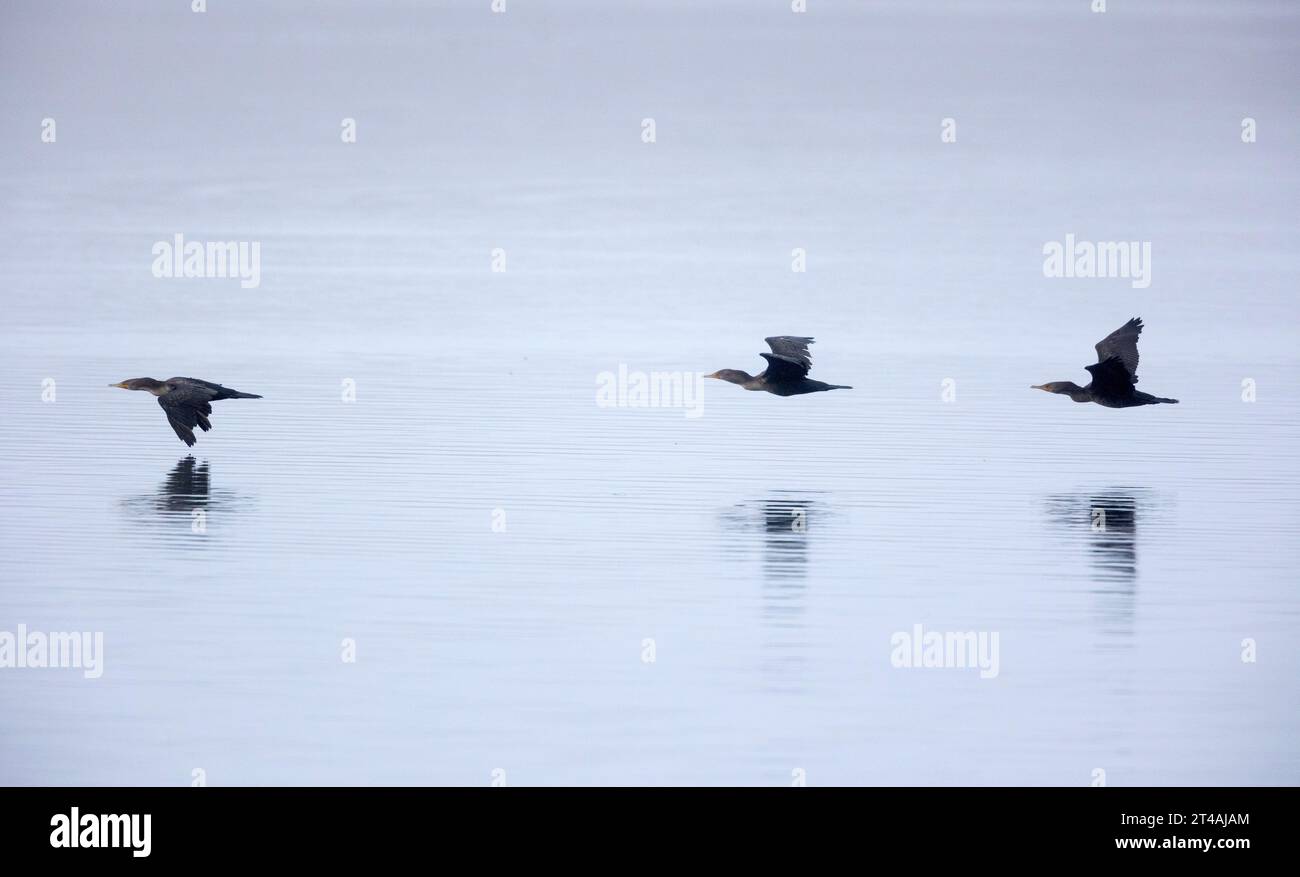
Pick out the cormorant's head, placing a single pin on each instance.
(146, 384)
(1067, 388)
(730, 375)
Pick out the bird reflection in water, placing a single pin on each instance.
(785, 521)
(1107, 523)
(785, 543)
(185, 499)
(187, 487)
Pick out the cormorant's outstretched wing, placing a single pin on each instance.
(1123, 344)
(186, 407)
(789, 359)
(1111, 378)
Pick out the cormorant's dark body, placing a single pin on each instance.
(185, 401)
(786, 373)
(1114, 375)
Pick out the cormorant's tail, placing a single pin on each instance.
(1170, 401)
(838, 387)
(235, 394)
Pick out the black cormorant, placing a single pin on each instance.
(185, 401)
(786, 373)
(1113, 375)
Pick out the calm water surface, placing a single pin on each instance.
(770, 547)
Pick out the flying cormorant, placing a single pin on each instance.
(787, 370)
(185, 401)
(1113, 375)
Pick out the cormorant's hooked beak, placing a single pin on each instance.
(121, 385)
(714, 375)
(1037, 387)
